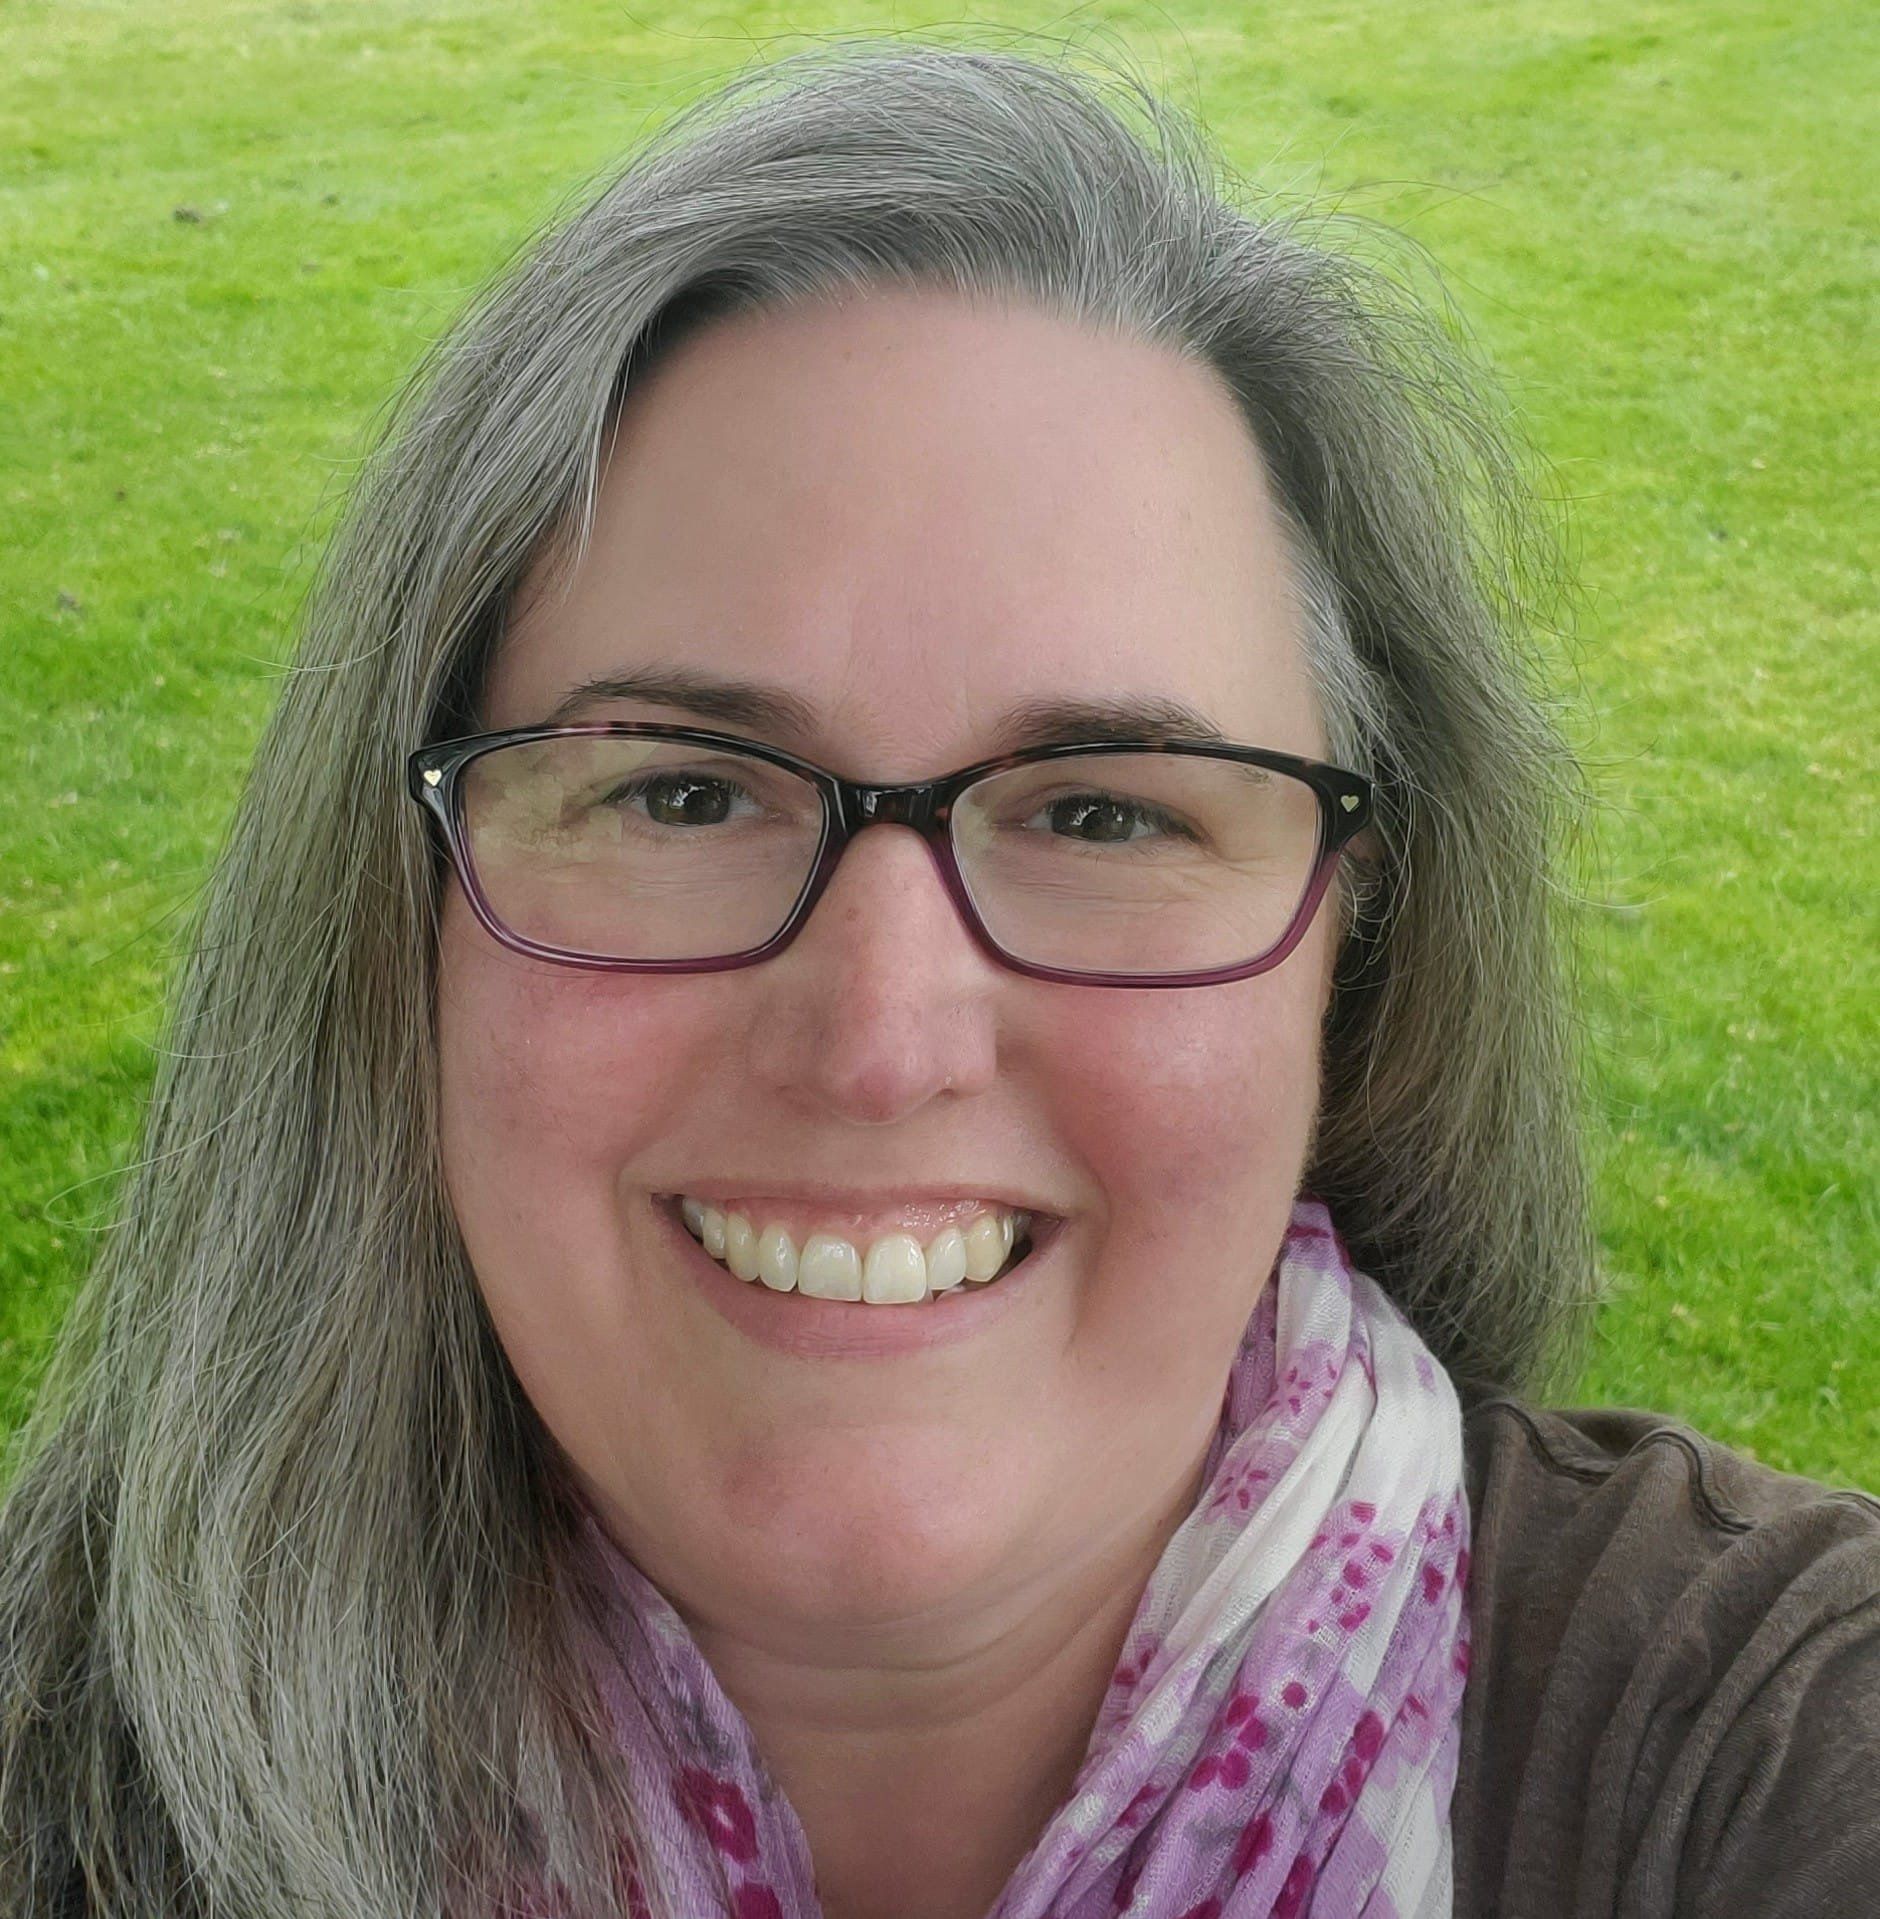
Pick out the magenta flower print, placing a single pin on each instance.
(1138, 1808)
(1367, 1741)
(1292, 1895)
(1309, 1380)
(1232, 1766)
(719, 1808)
(1239, 1490)
(1134, 1668)
(1126, 1886)
(1254, 1843)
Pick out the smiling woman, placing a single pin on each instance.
(670, 1352)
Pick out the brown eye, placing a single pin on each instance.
(677, 799)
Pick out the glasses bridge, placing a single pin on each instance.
(894, 805)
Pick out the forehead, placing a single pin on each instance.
(914, 512)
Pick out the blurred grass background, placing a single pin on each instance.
(227, 230)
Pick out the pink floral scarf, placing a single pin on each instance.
(1280, 1736)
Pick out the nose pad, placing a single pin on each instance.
(890, 806)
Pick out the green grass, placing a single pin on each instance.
(1653, 215)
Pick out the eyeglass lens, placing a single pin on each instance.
(645, 849)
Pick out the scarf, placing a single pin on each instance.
(1280, 1736)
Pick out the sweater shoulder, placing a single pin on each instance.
(1649, 1612)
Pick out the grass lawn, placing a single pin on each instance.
(226, 231)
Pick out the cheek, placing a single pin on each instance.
(548, 1079)
(549, 1082)
(1191, 1113)
(1194, 1109)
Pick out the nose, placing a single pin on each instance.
(884, 998)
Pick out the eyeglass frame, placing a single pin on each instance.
(433, 777)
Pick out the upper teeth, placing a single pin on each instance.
(897, 1268)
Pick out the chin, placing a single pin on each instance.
(869, 1549)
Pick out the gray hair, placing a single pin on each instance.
(286, 1616)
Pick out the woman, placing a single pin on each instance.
(671, 1353)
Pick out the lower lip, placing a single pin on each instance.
(810, 1328)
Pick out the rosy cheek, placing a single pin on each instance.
(1191, 1090)
(545, 1071)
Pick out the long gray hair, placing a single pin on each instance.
(286, 1617)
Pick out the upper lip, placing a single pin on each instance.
(855, 1199)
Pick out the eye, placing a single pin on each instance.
(1110, 812)
(679, 798)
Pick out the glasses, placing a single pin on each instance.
(636, 847)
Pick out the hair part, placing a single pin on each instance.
(287, 1617)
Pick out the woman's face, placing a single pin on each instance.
(910, 514)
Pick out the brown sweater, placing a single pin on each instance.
(1673, 1709)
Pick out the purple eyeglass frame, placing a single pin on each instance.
(433, 775)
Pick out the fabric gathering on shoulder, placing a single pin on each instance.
(1674, 1706)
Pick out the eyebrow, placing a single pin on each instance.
(786, 717)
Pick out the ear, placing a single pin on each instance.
(1365, 847)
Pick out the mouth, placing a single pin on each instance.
(808, 1326)
(787, 1270)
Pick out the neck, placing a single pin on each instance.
(925, 1766)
